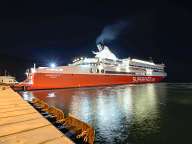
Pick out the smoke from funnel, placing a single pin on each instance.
(111, 32)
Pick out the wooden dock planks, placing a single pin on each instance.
(21, 124)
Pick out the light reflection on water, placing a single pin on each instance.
(119, 114)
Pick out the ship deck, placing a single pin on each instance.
(21, 123)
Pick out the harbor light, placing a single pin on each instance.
(52, 65)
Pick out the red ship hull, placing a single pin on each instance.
(60, 80)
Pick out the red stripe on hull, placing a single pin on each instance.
(53, 80)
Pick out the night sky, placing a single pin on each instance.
(44, 32)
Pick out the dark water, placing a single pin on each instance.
(135, 114)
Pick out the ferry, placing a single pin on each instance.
(102, 69)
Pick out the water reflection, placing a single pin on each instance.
(27, 96)
(51, 94)
(119, 114)
(145, 103)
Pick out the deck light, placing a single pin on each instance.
(52, 65)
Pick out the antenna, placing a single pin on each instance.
(34, 66)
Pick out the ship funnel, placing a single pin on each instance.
(104, 52)
(100, 46)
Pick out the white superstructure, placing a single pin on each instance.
(105, 62)
(7, 80)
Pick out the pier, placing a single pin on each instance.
(20, 123)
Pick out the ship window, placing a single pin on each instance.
(102, 71)
(97, 70)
